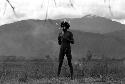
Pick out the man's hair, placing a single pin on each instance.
(65, 24)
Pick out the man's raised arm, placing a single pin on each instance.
(59, 39)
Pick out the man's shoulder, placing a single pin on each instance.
(69, 32)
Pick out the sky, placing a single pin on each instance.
(55, 9)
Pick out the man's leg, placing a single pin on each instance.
(71, 67)
(61, 57)
(69, 58)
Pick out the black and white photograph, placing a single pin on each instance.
(62, 41)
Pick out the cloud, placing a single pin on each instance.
(37, 9)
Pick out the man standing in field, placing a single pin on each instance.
(65, 38)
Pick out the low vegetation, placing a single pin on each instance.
(44, 71)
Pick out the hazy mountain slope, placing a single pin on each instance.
(96, 24)
(117, 34)
(35, 38)
(99, 44)
(28, 38)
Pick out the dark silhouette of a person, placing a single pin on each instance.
(65, 38)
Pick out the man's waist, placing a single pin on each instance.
(65, 44)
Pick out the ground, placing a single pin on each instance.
(63, 80)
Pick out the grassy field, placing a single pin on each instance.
(37, 72)
(62, 81)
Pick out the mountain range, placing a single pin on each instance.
(38, 38)
(96, 24)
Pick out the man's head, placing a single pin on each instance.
(65, 25)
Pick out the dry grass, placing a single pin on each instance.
(62, 81)
(45, 73)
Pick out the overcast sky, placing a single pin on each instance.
(36, 9)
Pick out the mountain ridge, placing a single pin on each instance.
(36, 38)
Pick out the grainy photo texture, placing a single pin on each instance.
(62, 42)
